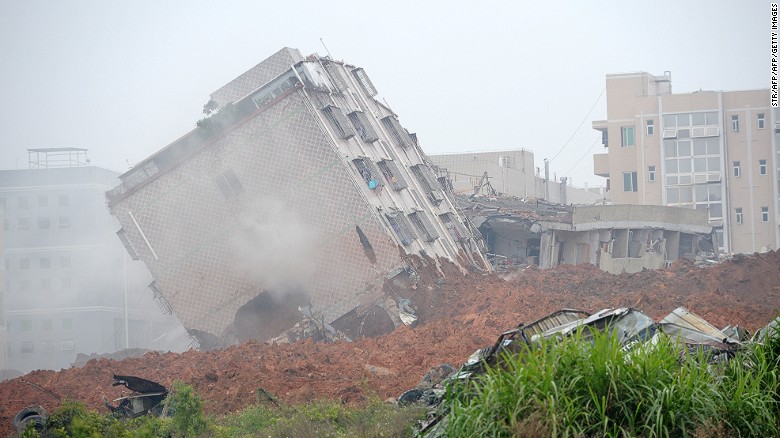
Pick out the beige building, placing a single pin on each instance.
(510, 172)
(710, 150)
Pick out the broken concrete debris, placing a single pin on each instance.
(632, 328)
(148, 398)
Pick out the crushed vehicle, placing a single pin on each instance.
(148, 398)
(632, 328)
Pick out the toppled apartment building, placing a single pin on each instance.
(616, 238)
(300, 185)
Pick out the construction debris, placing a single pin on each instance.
(148, 397)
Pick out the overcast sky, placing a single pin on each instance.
(124, 79)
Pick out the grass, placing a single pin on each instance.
(574, 388)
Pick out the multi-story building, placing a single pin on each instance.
(510, 172)
(3, 335)
(69, 285)
(303, 188)
(713, 150)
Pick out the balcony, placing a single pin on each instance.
(601, 165)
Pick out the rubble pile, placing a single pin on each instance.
(456, 315)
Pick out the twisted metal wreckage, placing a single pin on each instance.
(631, 327)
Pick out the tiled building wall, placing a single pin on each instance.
(257, 76)
(291, 176)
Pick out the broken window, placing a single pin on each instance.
(456, 229)
(364, 81)
(335, 76)
(392, 174)
(368, 171)
(363, 127)
(229, 184)
(162, 303)
(428, 182)
(397, 132)
(339, 123)
(423, 226)
(125, 242)
(400, 227)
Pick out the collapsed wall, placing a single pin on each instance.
(299, 191)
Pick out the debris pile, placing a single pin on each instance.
(456, 315)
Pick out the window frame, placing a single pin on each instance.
(739, 215)
(651, 173)
(762, 167)
(624, 137)
(760, 121)
(630, 182)
(764, 214)
(736, 169)
(735, 122)
(650, 127)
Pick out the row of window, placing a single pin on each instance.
(23, 202)
(630, 178)
(26, 325)
(43, 263)
(45, 346)
(740, 218)
(627, 137)
(25, 284)
(44, 223)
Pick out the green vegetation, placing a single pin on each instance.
(318, 419)
(587, 389)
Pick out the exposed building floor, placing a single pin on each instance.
(457, 315)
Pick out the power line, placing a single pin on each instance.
(579, 161)
(580, 126)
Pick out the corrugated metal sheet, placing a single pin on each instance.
(685, 318)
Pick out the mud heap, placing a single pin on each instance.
(457, 315)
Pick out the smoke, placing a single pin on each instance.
(275, 248)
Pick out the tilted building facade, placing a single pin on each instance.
(302, 184)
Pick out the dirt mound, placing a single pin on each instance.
(458, 314)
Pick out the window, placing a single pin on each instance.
(364, 81)
(504, 161)
(339, 123)
(650, 127)
(64, 201)
(24, 264)
(63, 222)
(735, 123)
(762, 167)
(423, 226)
(651, 173)
(428, 182)
(738, 212)
(26, 347)
(764, 214)
(22, 202)
(23, 223)
(629, 182)
(228, 184)
(43, 201)
(760, 122)
(366, 169)
(66, 283)
(27, 325)
(397, 132)
(363, 126)
(392, 174)
(737, 170)
(45, 262)
(627, 136)
(67, 345)
(398, 224)
(65, 262)
(44, 223)
(47, 346)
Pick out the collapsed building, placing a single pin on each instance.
(616, 238)
(298, 190)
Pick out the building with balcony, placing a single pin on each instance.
(69, 287)
(707, 150)
(301, 188)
